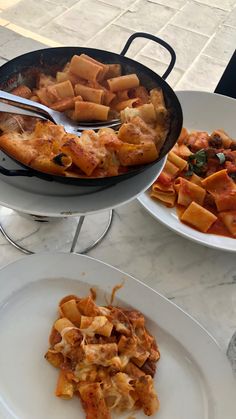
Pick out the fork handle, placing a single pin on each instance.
(21, 102)
(158, 41)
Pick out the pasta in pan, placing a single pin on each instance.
(88, 90)
(105, 356)
(199, 178)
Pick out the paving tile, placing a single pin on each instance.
(231, 19)
(65, 3)
(160, 68)
(3, 22)
(221, 4)
(29, 34)
(32, 14)
(2, 61)
(61, 35)
(123, 4)
(200, 18)
(86, 18)
(203, 75)
(223, 44)
(187, 45)
(5, 4)
(6, 35)
(176, 4)
(114, 38)
(146, 16)
(19, 45)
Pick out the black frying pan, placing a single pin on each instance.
(24, 69)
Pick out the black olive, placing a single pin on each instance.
(59, 159)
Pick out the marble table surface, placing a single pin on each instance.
(200, 280)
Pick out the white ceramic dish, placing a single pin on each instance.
(194, 379)
(202, 111)
(39, 197)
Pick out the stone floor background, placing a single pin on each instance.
(202, 32)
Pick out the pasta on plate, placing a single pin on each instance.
(105, 356)
(88, 90)
(199, 178)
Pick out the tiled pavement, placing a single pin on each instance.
(202, 32)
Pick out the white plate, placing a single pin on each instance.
(39, 197)
(202, 111)
(194, 379)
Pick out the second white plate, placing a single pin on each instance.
(206, 112)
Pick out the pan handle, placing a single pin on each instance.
(26, 173)
(158, 41)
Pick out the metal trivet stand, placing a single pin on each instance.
(75, 238)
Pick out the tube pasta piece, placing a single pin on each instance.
(196, 179)
(64, 389)
(62, 324)
(182, 151)
(102, 354)
(19, 150)
(229, 220)
(88, 111)
(147, 395)
(84, 68)
(88, 307)
(123, 82)
(93, 401)
(226, 202)
(177, 161)
(57, 165)
(136, 154)
(171, 169)
(67, 75)
(198, 217)
(133, 371)
(219, 183)
(189, 192)
(105, 67)
(70, 310)
(98, 324)
(65, 104)
(126, 104)
(55, 358)
(145, 112)
(167, 197)
(63, 89)
(81, 156)
(223, 189)
(89, 94)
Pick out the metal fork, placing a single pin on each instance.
(59, 118)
